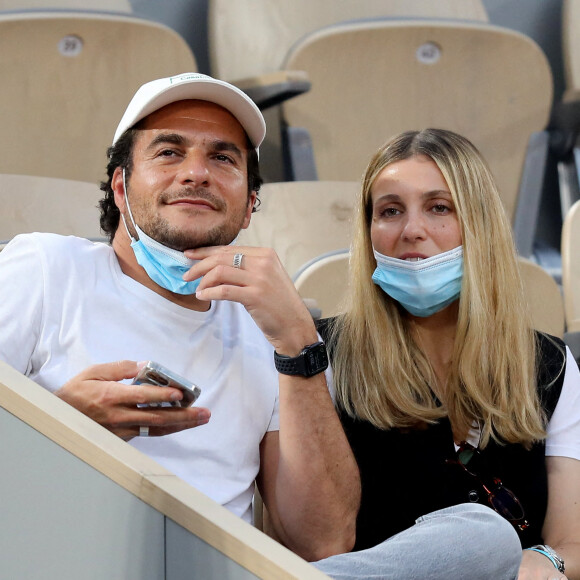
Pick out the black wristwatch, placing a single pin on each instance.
(312, 360)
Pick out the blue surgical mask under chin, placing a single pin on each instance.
(165, 266)
(421, 287)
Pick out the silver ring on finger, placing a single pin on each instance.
(143, 431)
(237, 263)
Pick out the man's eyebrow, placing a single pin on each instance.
(169, 138)
(226, 146)
(177, 139)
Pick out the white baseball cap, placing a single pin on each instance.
(161, 92)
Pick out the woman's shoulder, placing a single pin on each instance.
(550, 346)
(551, 356)
(551, 367)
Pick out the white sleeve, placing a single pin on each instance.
(21, 296)
(564, 426)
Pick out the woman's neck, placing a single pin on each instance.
(435, 336)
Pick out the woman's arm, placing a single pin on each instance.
(562, 524)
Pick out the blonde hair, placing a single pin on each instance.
(380, 373)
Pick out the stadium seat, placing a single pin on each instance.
(565, 121)
(302, 220)
(67, 78)
(248, 42)
(100, 5)
(252, 38)
(490, 84)
(45, 204)
(571, 277)
(571, 48)
(544, 298)
(324, 280)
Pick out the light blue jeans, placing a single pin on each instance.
(462, 541)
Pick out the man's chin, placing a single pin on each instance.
(186, 236)
(203, 241)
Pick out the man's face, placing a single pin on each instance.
(189, 184)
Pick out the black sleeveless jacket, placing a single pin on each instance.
(404, 474)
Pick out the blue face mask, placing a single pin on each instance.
(423, 287)
(165, 266)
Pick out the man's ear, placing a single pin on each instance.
(118, 188)
(251, 202)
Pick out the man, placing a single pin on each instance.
(183, 176)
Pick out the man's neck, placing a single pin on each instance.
(129, 266)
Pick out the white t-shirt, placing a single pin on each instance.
(564, 426)
(65, 305)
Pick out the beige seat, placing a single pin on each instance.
(491, 84)
(571, 267)
(113, 5)
(44, 204)
(566, 117)
(544, 298)
(251, 38)
(248, 42)
(324, 280)
(571, 48)
(71, 75)
(302, 220)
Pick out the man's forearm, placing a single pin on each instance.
(317, 480)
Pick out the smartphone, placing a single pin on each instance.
(155, 374)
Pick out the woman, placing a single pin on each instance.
(446, 393)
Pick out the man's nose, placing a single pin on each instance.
(194, 169)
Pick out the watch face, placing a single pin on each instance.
(316, 359)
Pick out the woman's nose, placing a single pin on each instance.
(414, 227)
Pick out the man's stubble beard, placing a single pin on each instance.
(160, 230)
(169, 236)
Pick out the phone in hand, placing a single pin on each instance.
(155, 374)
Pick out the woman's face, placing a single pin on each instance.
(413, 216)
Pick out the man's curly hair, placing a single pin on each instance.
(121, 155)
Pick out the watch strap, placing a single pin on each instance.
(313, 359)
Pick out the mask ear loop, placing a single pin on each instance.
(133, 240)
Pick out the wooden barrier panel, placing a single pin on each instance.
(78, 502)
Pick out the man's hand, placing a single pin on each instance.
(97, 393)
(262, 285)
